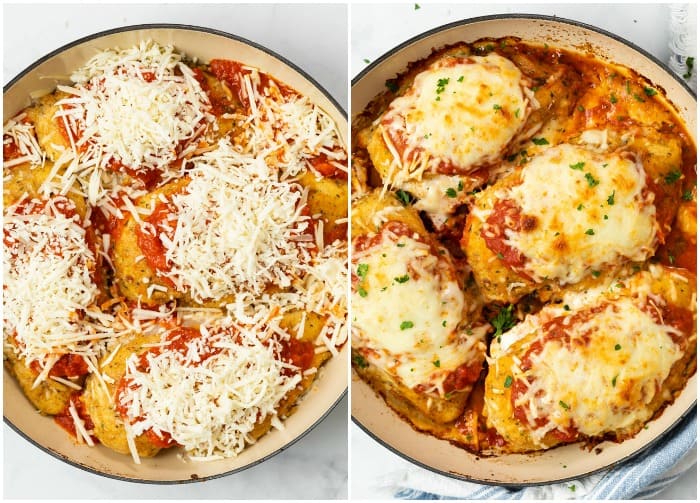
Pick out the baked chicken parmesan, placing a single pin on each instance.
(523, 247)
(175, 252)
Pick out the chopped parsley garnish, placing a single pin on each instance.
(614, 381)
(580, 108)
(564, 405)
(392, 85)
(400, 245)
(613, 99)
(366, 61)
(572, 488)
(650, 91)
(416, 6)
(402, 279)
(595, 273)
(605, 217)
(406, 325)
(362, 292)
(508, 382)
(672, 177)
(592, 182)
(639, 98)
(461, 78)
(579, 207)
(618, 347)
(500, 256)
(360, 361)
(578, 165)
(687, 195)
(404, 197)
(497, 107)
(436, 363)
(627, 86)
(517, 113)
(503, 321)
(444, 323)
(362, 270)
(451, 192)
(540, 141)
(441, 83)
(566, 307)
(590, 232)
(611, 198)
(689, 62)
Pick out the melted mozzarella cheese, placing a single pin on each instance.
(47, 282)
(463, 112)
(411, 313)
(209, 405)
(592, 210)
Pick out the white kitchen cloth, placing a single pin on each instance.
(641, 477)
(683, 40)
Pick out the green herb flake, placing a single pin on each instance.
(671, 259)
(362, 270)
(402, 279)
(416, 6)
(689, 63)
(517, 113)
(595, 273)
(497, 107)
(605, 217)
(592, 182)
(540, 141)
(444, 323)
(618, 347)
(613, 99)
(366, 61)
(508, 382)
(400, 245)
(404, 197)
(672, 177)
(590, 232)
(437, 363)
(611, 198)
(579, 207)
(566, 307)
(614, 381)
(406, 325)
(572, 488)
(579, 165)
(503, 321)
(650, 91)
(639, 98)
(580, 108)
(687, 195)
(627, 86)
(360, 361)
(564, 405)
(451, 192)
(461, 78)
(362, 292)
(500, 256)
(392, 85)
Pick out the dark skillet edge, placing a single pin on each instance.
(174, 481)
(538, 17)
(318, 86)
(519, 485)
(187, 27)
(465, 22)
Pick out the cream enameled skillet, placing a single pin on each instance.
(331, 385)
(368, 410)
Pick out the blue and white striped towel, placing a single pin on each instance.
(640, 477)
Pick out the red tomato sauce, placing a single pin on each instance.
(323, 165)
(462, 377)
(151, 246)
(233, 73)
(505, 215)
(65, 420)
(69, 365)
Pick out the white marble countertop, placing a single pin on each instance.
(376, 29)
(316, 466)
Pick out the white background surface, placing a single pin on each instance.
(316, 466)
(376, 29)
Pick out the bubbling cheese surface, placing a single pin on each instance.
(411, 313)
(600, 378)
(591, 210)
(461, 112)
